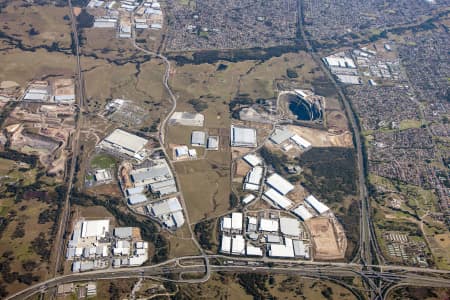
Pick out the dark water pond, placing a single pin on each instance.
(304, 111)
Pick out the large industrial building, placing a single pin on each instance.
(252, 180)
(243, 137)
(168, 211)
(120, 141)
(158, 178)
(280, 184)
(317, 205)
(198, 138)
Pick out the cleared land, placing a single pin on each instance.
(205, 187)
(325, 235)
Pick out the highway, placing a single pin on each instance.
(65, 213)
(337, 272)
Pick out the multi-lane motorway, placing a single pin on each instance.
(338, 272)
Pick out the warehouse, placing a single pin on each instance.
(198, 138)
(243, 137)
(213, 143)
(238, 245)
(136, 190)
(290, 226)
(225, 245)
(301, 142)
(253, 160)
(236, 221)
(300, 249)
(124, 142)
(276, 199)
(281, 135)
(225, 225)
(102, 175)
(94, 228)
(253, 179)
(279, 184)
(302, 212)
(268, 225)
(247, 199)
(123, 232)
(316, 204)
(165, 207)
(279, 250)
(160, 171)
(253, 251)
(252, 224)
(136, 199)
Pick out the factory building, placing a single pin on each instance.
(302, 212)
(225, 245)
(125, 143)
(238, 245)
(317, 205)
(301, 142)
(94, 228)
(280, 184)
(213, 143)
(135, 190)
(253, 251)
(102, 175)
(253, 179)
(253, 160)
(158, 178)
(290, 226)
(280, 250)
(279, 136)
(300, 249)
(236, 221)
(252, 224)
(198, 138)
(137, 199)
(168, 211)
(243, 137)
(225, 225)
(247, 199)
(123, 232)
(268, 225)
(276, 199)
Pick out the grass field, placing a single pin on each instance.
(22, 66)
(209, 199)
(103, 161)
(46, 21)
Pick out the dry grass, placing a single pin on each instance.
(21, 66)
(205, 186)
(18, 19)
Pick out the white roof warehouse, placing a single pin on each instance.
(124, 142)
(243, 137)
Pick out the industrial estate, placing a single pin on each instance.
(186, 148)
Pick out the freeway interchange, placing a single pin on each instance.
(341, 273)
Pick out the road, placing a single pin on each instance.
(65, 213)
(337, 272)
(162, 134)
(368, 240)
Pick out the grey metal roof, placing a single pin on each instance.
(123, 232)
(198, 138)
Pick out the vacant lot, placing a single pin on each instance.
(205, 185)
(36, 25)
(323, 233)
(23, 66)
